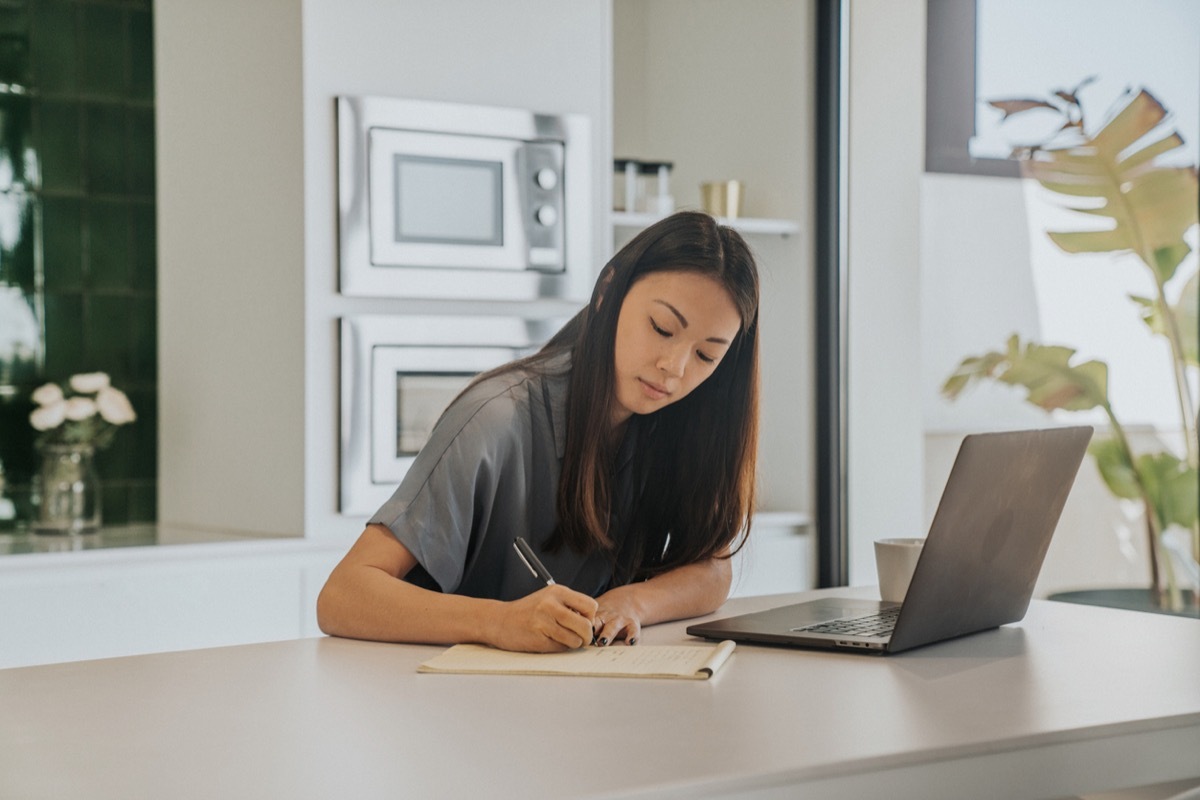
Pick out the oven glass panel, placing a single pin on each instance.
(448, 200)
(420, 400)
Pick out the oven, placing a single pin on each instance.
(446, 200)
(398, 373)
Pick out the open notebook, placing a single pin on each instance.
(689, 662)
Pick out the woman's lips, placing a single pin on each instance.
(653, 390)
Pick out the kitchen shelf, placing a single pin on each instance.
(781, 227)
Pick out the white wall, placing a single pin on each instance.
(230, 264)
(886, 146)
(976, 290)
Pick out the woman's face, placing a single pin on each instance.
(673, 330)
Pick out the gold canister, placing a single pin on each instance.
(722, 198)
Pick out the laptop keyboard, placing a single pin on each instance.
(880, 624)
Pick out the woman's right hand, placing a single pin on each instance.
(550, 620)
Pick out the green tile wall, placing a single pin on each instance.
(77, 223)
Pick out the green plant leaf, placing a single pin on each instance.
(1017, 106)
(1070, 95)
(1138, 117)
(1092, 241)
(1067, 167)
(1151, 313)
(1188, 318)
(1171, 487)
(1045, 371)
(971, 369)
(1052, 382)
(1150, 152)
(1115, 468)
(1168, 259)
(1163, 203)
(1113, 176)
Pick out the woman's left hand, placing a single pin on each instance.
(618, 617)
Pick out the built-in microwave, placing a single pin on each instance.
(398, 374)
(446, 200)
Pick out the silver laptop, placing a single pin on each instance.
(979, 564)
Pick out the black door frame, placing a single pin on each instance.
(830, 301)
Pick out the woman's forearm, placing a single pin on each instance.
(688, 591)
(365, 598)
(364, 602)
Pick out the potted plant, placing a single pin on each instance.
(1116, 174)
(74, 421)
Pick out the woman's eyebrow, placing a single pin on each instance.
(683, 321)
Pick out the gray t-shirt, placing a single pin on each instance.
(488, 474)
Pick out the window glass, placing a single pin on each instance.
(1028, 48)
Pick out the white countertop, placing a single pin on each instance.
(137, 542)
(150, 534)
(1073, 699)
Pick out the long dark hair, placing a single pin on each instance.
(695, 459)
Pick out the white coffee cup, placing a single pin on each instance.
(895, 559)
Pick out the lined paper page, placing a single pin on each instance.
(645, 661)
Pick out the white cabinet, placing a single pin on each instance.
(779, 556)
(100, 604)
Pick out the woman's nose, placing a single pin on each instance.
(672, 361)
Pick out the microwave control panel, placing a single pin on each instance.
(540, 165)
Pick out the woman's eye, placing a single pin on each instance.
(660, 331)
(704, 358)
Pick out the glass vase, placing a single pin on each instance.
(70, 490)
(1183, 568)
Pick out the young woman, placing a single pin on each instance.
(623, 452)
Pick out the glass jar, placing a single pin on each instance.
(655, 187)
(625, 185)
(70, 490)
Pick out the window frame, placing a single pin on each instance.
(950, 93)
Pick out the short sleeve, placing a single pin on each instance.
(448, 498)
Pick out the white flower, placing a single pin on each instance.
(48, 394)
(50, 416)
(114, 406)
(89, 382)
(80, 408)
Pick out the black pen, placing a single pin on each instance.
(536, 566)
(532, 561)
